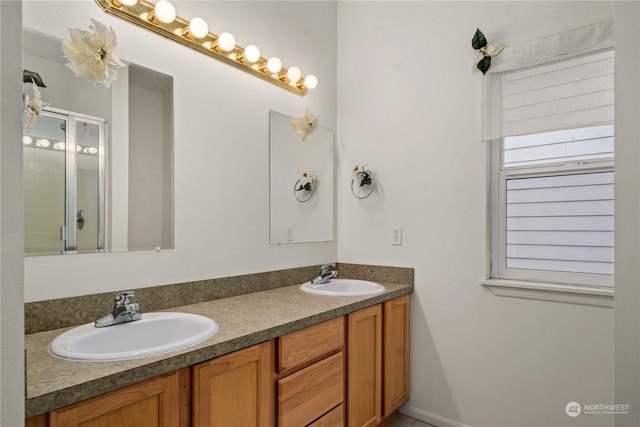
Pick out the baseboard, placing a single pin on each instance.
(428, 417)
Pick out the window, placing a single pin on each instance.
(549, 121)
(553, 207)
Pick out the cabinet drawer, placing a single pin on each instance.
(310, 343)
(335, 418)
(311, 392)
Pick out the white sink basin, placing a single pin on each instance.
(344, 287)
(155, 333)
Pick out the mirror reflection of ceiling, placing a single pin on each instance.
(50, 135)
(43, 47)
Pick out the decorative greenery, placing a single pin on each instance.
(484, 64)
(32, 76)
(482, 60)
(306, 186)
(363, 174)
(479, 40)
(305, 181)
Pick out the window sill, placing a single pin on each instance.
(581, 295)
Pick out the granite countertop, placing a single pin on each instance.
(244, 320)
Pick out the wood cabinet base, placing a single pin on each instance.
(235, 389)
(152, 403)
(396, 354)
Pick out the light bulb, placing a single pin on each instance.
(58, 146)
(274, 64)
(91, 150)
(26, 140)
(164, 11)
(226, 42)
(128, 2)
(251, 53)
(198, 28)
(78, 148)
(293, 74)
(311, 81)
(44, 143)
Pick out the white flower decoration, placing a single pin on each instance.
(33, 108)
(490, 50)
(362, 175)
(305, 181)
(358, 169)
(482, 61)
(90, 53)
(304, 126)
(493, 49)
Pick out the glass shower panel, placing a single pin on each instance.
(44, 185)
(64, 184)
(88, 209)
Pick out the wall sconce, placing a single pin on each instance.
(161, 18)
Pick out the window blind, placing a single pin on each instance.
(561, 223)
(560, 82)
(565, 146)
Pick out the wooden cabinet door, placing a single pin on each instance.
(41, 420)
(234, 390)
(364, 367)
(396, 353)
(152, 403)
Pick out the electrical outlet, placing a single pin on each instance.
(290, 236)
(396, 235)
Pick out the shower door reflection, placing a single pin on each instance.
(44, 185)
(64, 180)
(89, 207)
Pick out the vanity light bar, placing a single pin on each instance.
(222, 47)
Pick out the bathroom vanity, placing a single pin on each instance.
(281, 358)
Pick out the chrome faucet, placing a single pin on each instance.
(123, 311)
(324, 275)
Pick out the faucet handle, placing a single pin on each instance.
(324, 268)
(122, 298)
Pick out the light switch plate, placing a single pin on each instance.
(396, 235)
(290, 235)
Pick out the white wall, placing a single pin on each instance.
(627, 312)
(312, 220)
(221, 143)
(146, 186)
(409, 107)
(11, 222)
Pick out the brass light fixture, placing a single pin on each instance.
(161, 18)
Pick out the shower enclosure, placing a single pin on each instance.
(64, 184)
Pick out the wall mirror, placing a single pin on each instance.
(98, 163)
(301, 183)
